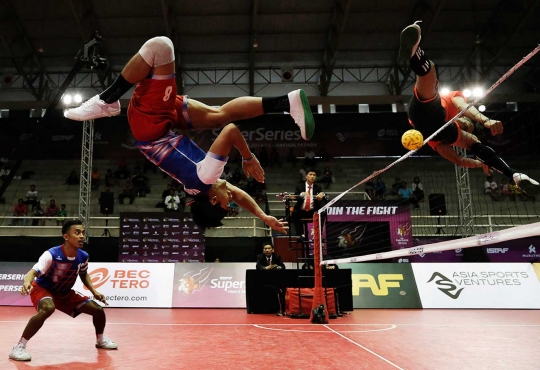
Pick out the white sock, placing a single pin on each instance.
(99, 338)
(23, 342)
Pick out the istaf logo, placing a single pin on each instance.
(445, 285)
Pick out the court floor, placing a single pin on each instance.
(232, 339)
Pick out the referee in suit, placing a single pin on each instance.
(313, 199)
(268, 260)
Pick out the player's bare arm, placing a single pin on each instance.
(85, 278)
(27, 282)
(231, 137)
(449, 154)
(245, 201)
(495, 126)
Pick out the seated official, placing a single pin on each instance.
(268, 260)
(313, 200)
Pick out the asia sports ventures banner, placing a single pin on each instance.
(477, 285)
(131, 284)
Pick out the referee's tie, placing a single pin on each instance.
(307, 207)
(268, 261)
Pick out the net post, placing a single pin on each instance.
(319, 300)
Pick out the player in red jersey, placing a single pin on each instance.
(429, 110)
(155, 110)
(50, 284)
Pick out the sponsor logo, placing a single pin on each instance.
(10, 288)
(192, 240)
(445, 285)
(497, 250)
(126, 232)
(532, 252)
(193, 281)
(175, 226)
(132, 220)
(532, 249)
(62, 137)
(227, 284)
(403, 260)
(488, 238)
(120, 278)
(416, 250)
(378, 287)
(11, 276)
(135, 233)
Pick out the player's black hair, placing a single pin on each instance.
(67, 225)
(206, 214)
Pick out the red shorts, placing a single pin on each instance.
(68, 304)
(154, 109)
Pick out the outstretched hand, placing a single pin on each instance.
(100, 297)
(495, 126)
(275, 224)
(26, 288)
(254, 169)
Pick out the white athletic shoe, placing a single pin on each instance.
(92, 109)
(409, 41)
(301, 113)
(525, 183)
(106, 343)
(19, 353)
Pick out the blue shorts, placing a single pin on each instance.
(179, 157)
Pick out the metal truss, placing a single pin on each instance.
(466, 211)
(86, 175)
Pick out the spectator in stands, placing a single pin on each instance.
(380, 188)
(72, 179)
(418, 189)
(313, 198)
(275, 159)
(370, 189)
(238, 177)
(140, 184)
(38, 212)
(96, 179)
(261, 199)
(517, 191)
(505, 189)
(122, 172)
(226, 174)
(109, 178)
(62, 214)
(406, 194)
(396, 186)
(263, 157)
(491, 188)
(172, 201)
(309, 158)
(291, 157)
(327, 177)
(127, 192)
(268, 260)
(19, 210)
(52, 209)
(182, 195)
(31, 197)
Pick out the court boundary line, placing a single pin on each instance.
(364, 348)
(273, 324)
(391, 327)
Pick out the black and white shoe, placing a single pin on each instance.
(409, 41)
(525, 183)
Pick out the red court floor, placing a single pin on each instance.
(231, 339)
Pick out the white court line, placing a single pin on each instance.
(266, 324)
(324, 331)
(364, 348)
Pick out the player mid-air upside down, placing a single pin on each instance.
(155, 109)
(429, 111)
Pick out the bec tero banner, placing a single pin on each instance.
(477, 285)
(131, 284)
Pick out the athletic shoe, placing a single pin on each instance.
(92, 109)
(525, 183)
(409, 41)
(301, 113)
(106, 343)
(19, 353)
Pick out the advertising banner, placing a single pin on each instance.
(477, 285)
(11, 279)
(345, 220)
(219, 285)
(160, 237)
(131, 284)
(383, 285)
(518, 250)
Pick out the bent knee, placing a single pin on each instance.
(46, 307)
(157, 51)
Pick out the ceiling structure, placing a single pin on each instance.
(250, 44)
